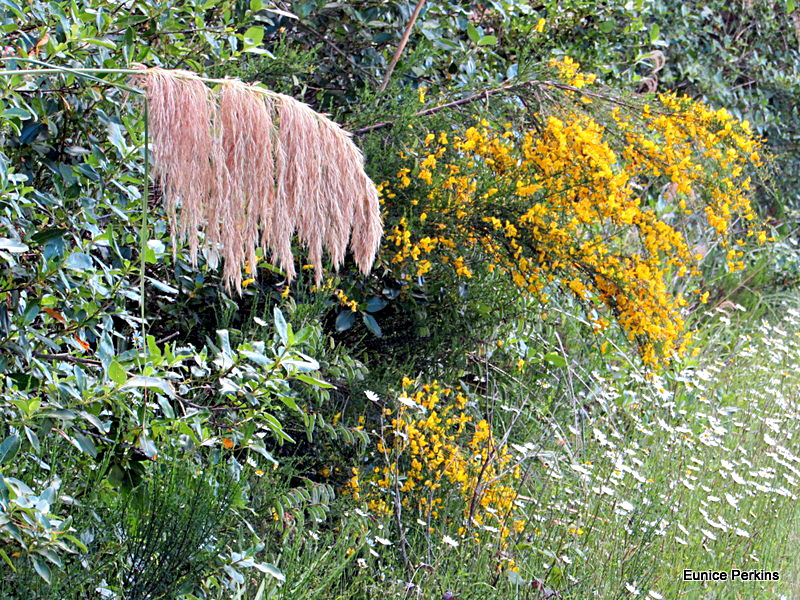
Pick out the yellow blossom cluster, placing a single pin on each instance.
(430, 447)
(569, 71)
(345, 301)
(572, 204)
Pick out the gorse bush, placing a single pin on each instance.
(434, 455)
(602, 199)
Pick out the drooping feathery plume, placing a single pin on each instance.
(251, 168)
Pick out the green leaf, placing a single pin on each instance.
(472, 32)
(116, 373)
(372, 324)
(78, 544)
(153, 349)
(280, 325)
(51, 556)
(487, 40)
(96, 42)
(24, 381)
(345, 319)
(78, 261)
(141, 381)
(607, 26)
(89, 171)
(148, 447)
(17, 112)
(790, 6)
(41, 567)
(256, 357)
(162, 286)
(166, 407)
(44, 236)
(83, 443)
(5, 557)
(254, 36)
(14, 7)
(270, 570)
(313, 381)
(289, 401)
(27, 405)
(654, 31)
(13, 246)
(9, 448)
(32, 438)
(514, 578)
(376, 304)
(116, 138)
(555, 359)
(275, 427)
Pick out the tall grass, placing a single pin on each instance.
(693, 470)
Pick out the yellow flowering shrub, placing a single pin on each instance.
(573, 205)
(435, 456)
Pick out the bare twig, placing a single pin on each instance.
(435, 109)
(69, 358)
(402, 45)
(536, 84)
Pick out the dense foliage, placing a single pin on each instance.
(566, 247)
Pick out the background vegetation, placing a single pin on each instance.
(570, 373)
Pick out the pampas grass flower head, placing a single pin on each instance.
(251, 168)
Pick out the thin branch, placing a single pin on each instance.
(435, 109)
(509, 87)
(69, 358)
(402, 45)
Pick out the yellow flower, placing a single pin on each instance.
(540, 25)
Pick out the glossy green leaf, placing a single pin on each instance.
(280, 326)
(270, 570)
(13, 246)
(555, 359)
(41, 567)
(313, 381)
(254, 36)
(345, 319)
(83, 443)
(16, 112)
(116, 373)
(79, 261)
(376, 304)
(9, 448)
(372, 324)
(473, 33)
(141, 381)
